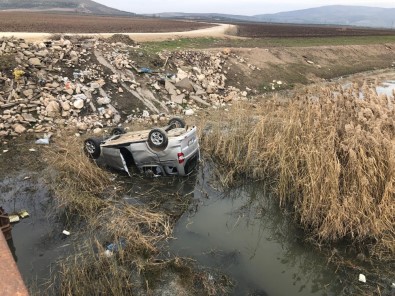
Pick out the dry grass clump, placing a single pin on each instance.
(79, 185)
(329, 153)
(76, 180)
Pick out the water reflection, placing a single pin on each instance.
(36, 240)
(243, 233)
(386, 88)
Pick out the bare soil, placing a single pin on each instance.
(290, 30)
(68, 23)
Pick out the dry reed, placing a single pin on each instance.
(79, 185)
(329, 153)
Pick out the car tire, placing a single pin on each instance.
(157, 139)
(92, 148)
(176, 122)
(118, 131)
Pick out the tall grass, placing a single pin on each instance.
(328, 153)
(86, 198)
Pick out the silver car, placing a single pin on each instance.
(172, 150)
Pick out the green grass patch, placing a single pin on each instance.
(209, 42)
(182, 43)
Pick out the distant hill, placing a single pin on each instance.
(79, 6)
(203, 16)
(361, 16)
(336, 15)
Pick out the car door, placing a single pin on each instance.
(114, 158)
(143, 154)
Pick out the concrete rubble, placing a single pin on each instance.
(79, 84)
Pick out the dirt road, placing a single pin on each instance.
(218, 31)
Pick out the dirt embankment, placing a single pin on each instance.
(256, 68)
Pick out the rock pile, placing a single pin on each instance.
(39, 97)
(75, 84)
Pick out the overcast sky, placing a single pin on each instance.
(245, 7)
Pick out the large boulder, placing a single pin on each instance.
(28, 117)
(78, 104)
(103, 101)
(170, 88)
(65, 106)
(35, 62)
(19, 128)
(52, 108)
(178, 99)
(185, 84)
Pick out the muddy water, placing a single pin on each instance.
(37, 241)
(242, 233)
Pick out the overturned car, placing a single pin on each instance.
(171, 150)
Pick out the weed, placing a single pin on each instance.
(330, 153)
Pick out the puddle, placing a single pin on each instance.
(36, 243)
(386, 88)
(244, 234)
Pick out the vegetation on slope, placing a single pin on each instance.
(329, 154)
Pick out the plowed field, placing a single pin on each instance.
(68, 23)
(289, 30)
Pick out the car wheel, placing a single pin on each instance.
(157, 138)
(92, 148)
(176, 122)
(118, 131)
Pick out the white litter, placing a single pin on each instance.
(65, 232)
(32, 150)
(5, 151)
(44, 140)
(13, 218)
(362, 278)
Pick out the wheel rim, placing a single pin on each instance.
(157, 138)
(176, 124)
(90, 147)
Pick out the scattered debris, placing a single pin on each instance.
(65, 232)
(23, 214)
(115, 247)
(14, 218)
(44, 140)
(362, 278)
(47, 91)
